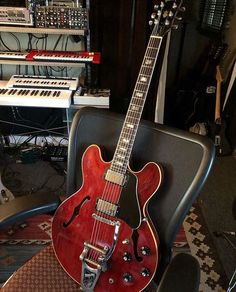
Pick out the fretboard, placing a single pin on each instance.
(128, 133)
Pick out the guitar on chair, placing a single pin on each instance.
(102, 235)
(218, 128)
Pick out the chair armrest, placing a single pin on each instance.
(182, 274)
(24, 207)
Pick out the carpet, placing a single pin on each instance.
(19, 243)
(22, 241)
(213, 276)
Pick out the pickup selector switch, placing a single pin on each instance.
(127, 277)
(127, 257)
(145, 251)
(145, 272)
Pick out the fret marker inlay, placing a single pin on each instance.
(143, 79)
(131, 126)
(148, 62)
(122, 149)
(125, 140)
(139, 94)
(135, 108)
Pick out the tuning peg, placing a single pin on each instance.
(167, 22)
(175, 26)
(174, 6)
(153, 15)
(150, 22)
(179, 18)
(156, 6)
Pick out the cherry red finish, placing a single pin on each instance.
(68, 242)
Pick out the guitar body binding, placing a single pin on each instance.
(125, 247)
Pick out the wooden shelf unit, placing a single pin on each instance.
(44, 30)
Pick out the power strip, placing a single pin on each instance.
(54, 153)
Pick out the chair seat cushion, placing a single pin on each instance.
(42, 273)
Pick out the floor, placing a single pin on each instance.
(217, 201)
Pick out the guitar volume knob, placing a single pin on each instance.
(127, 277)
(127, 257)
(145, 272)
(145, 251)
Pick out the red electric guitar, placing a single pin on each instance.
(102, 235)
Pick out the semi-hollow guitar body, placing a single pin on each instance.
(81, 234)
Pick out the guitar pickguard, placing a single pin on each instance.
(129, 205)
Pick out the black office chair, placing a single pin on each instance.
(186, 160)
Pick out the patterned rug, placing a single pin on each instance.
(212, 277)
(19, 243)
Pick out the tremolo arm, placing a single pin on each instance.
(92, 268)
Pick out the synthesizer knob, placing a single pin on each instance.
(145, 272)
(145, 250)
(127, 277)
(127, 257)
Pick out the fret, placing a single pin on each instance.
(141, 84)
(152, 52)
(155, 36)
(146, 70)
(152, 47)
(135, 112)
(133, 117)
(137, 103)
(127, 133)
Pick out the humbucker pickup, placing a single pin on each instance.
(107, 208)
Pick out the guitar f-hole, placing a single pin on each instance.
(76, 211)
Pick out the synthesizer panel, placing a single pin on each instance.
(61, 17)
(46, 82)
(67, 14)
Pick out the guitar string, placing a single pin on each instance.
(144, 71)
(110, 188)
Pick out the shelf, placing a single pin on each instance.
(41, 63)
(43, 30)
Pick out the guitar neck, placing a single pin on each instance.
(132, 120)
(219, 81)
(218, 101)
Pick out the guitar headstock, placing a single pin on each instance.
(165, 16)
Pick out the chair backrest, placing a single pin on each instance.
(186, 160)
